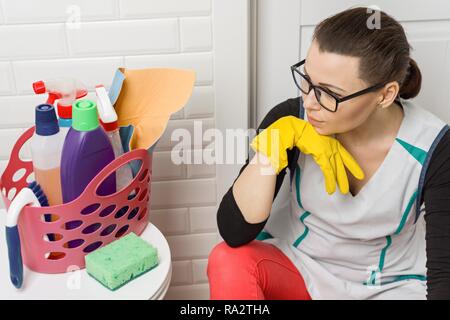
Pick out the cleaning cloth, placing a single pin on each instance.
(145, 99)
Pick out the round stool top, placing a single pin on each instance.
(79, 285)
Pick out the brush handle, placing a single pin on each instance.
(15, 256)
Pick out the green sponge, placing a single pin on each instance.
(121, 261)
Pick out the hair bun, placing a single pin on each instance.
(413, 81)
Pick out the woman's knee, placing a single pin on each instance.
(230, 271)
(224, 256)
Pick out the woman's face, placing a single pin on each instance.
(340, 74)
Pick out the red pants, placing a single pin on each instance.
(255, 271)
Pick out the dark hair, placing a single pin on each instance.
(384, 52)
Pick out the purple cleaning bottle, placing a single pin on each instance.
(86, 151)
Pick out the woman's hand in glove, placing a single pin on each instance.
(288, 132)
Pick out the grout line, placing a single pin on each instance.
(109, 19)
(188, 221)
(164, 210)
(190, 119)
(67, 46)
(184, 180)
(118, 11)
(104, 55)
(180, 37)
(2, 13)
(195, 257)
(191, 269)
(181, 205)
(12, 78)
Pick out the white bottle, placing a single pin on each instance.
(108, 117)
(46, 149)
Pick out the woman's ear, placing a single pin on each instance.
(388, 94)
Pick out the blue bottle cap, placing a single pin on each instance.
(65, 123)
(46, 121)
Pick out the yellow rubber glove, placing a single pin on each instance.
(327, 152)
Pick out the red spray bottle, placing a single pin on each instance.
(66, 91)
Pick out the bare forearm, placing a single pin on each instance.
(254, 189)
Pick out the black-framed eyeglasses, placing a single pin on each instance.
(326, 98)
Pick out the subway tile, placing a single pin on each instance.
(6, 79)
(203, 219)
(91, 71)
(2, 19)
(3, 165)
(192, 246)
(8, 137)
(177, 115)
(183, 193)
(202, 170)
(189, 292)
(19, 110)
(164, 168)
(124, 37)
(199, 268)
(32, 41)
(196, 34)
(170, 221)
(201, 63)
(32, 11)
(181, 273)
(158, 8)
(189, 132)
(201, 103)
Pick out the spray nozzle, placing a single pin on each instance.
(106, 112)
(65, 90)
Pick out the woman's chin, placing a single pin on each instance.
(323, 131)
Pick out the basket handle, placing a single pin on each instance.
(137, 154)
(19, 144)
(15, 163)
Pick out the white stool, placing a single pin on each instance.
(79, 285)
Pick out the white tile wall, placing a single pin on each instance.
(1, 16)
(165, 142)
(18, 110)
(91, 71)
(6, 78)
(8, 137)
(156, 8)
(183, 193)
(27, 41)
(199, 267)
(89, 40)
(192, 246)
(124, 37)
(32, 11)
(3, 164)
(182, 272)
(171, 221)
(196, 34)
(194, 292)
(202, 63)
(165, 169)
(201, 103)
(202, 219)
(199, 170)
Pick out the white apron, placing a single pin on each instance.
(369, 246)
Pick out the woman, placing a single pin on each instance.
(367, 241)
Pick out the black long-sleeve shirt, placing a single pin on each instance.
(236, 231)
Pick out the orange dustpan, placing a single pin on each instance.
(147, 99)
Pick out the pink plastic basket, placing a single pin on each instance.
(99, 220)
